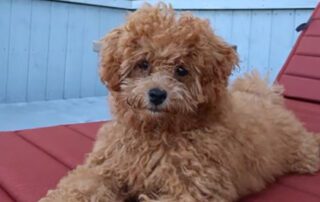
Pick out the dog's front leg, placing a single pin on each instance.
(82, 184)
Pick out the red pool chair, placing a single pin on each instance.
(33, 161)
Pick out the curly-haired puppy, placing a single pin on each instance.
(179, 134)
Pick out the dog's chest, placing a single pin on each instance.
(150, 169)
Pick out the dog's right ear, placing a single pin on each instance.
(110, 60)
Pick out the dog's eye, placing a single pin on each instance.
(181, 71)
(144, 64)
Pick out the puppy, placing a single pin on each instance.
(179, 133)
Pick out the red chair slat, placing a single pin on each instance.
(301, 88)
(64, 144)
(314, 28)
(26, 172)
(309, 45)
(305, 183)
(4, 197)
(281, 193)
(308, 113)
(88, 129)
(304, 66)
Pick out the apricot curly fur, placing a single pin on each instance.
(207, 142)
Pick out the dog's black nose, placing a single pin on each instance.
(157, 96)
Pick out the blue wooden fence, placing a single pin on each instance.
(46, 46)
(46, 49)
(264, 38)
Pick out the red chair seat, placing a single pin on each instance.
(33, 161)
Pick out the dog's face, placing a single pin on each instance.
(164, 70)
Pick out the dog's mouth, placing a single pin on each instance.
(155, 109)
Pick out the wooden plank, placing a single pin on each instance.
(5, 19)
(314, 28)
(281, 38)
(194, 4)
(223, 24)
(63, 144)
(88, 129)
(241, 25)
(4, 197)
(233, 4)
(57, 51)
(309, 45)
(317, 13)
(207, 15)
(55, 78)
(259, 50)
(295, 87)
(305, 183)
(280, 193)
(89, 73)
(307, 113)
(18, 52)
(309, 121)
(40, 29)
(304, 66)
(74, 55)
(26, 172)
(122, 4)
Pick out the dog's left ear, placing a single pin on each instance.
(110, 60)
(226, 58)
(218, 57)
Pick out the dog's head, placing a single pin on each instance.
(164, 70)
